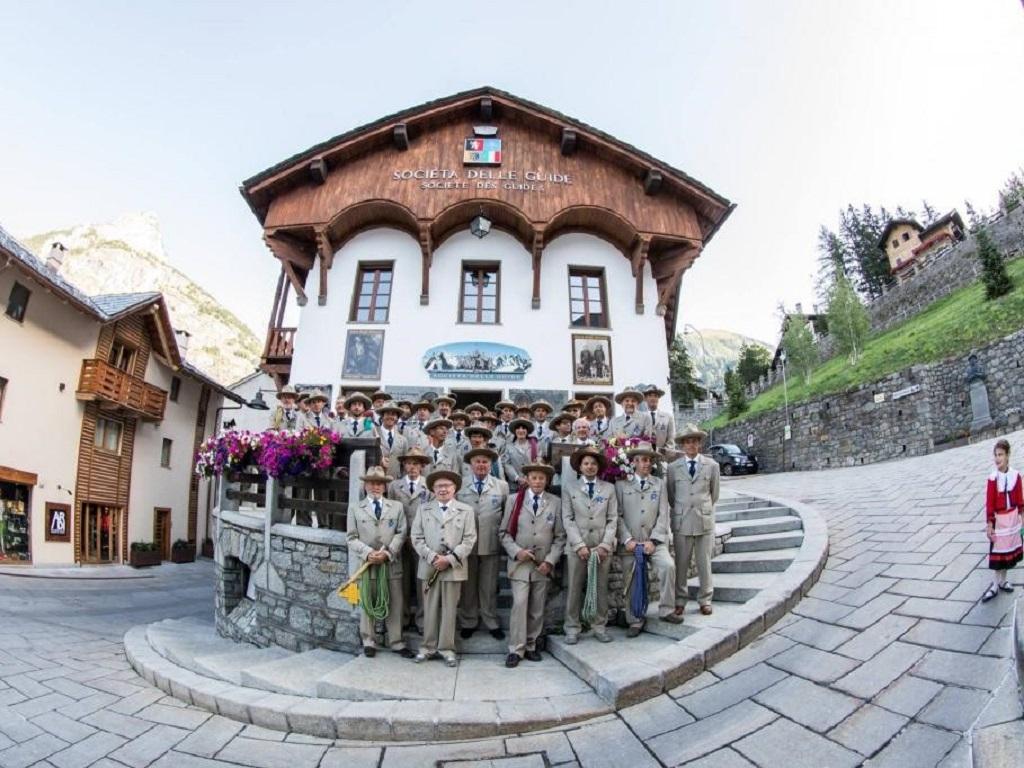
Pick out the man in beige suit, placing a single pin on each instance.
(392, 443)
(317, 417)
(410, 491)
(631, 422)
(590, 514)
(376, 532)
(644, 522)
(441, 454)
(693, 485)
(286, 417)
(533, 536)
(664, 423)
(486, 494)
(357, 423)
(444, 534)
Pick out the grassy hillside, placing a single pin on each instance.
(951, 326)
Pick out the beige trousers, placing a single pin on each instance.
(479, 601)
(526, 621)
(664, 568)
(577, 585)
(687, 549)
(440, 607)
(393, 622)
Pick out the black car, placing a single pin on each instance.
(732, 459)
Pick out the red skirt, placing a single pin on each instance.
(1007, 549)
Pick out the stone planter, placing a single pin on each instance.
(140, 559)
(183, 555)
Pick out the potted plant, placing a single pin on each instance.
(143, 553)
(183, 552)
(208, 547)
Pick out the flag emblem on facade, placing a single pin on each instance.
(482, 152)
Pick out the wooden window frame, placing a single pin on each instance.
(587, 272)
(362, 268)
(15, 287)
(175, 390)
(478, 267)
(166, 447)
(102, 445)
(126, 348)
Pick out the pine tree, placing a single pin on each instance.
(929, 214)
(859, 231)
(798, 343)
(735, 394)
(993, 275)
(753, 363)
(848, 323)
(973, 217)
(834, 258)
(680, 373)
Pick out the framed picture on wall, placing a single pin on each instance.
(364, 350)
(591, 359)
(58, 522)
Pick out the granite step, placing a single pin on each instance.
(751, 513)
(764, 542)
(742, 528)
(763, 561)
(297, 674)
(743, 503)
(733, 587)
(181, 646)
(229, 666)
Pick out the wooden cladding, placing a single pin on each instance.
(108, 384)
(280, 344)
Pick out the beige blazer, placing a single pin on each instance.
(515, 457)
(664, 429)
(366, 533)
(637, 425)
(488, 507)
(447, 459)
(346, 428)
(693, 500)
(590, 522)
(400, 446)
(431, 533)
(288, 421)
(542, 533)
(326, 421)
(398, 490)
(606, 428)
(643, 515)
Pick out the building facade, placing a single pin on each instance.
(908, 246)
(478, 244)
(100, 418)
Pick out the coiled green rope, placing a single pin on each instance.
(375, 601)
(589, 610)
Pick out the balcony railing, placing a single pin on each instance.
(280, 343)
(105, 383)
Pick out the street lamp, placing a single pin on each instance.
(257, 404)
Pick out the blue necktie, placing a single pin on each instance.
(479, 486)
(693, 468)
(391, 440)
(412, 488)
(376, 508)
(536, 505)
(590, 489)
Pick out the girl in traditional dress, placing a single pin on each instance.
(1004, 501)
(523, 449)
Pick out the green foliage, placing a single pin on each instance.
(834, 259)
(143, 546)
(994, 276)
(928, 214)
(848, 321)
(951, 326)
(753, 363)
(798, 343)
(1012, 193)
(736, 396)
(680, 373)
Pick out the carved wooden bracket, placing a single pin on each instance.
(486, 108)
(318, 170)
(568, 141)
(638, 260)
(427, 252)
(537, 250)
(400, 136)
(652, 181)
(668, 270)
(297, 284)
(295, 257)
(325, 251)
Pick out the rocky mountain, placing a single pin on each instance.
(720, 350)
(126, 256)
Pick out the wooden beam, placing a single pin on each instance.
(538, 249)
(652, 181)
(568, 141)
(275, 312)
(321, 297)
(486, 108)
(637, 261)
(318, 170)
(325, 248)
(293, 278)
(427, 252)
(400, 136)
(284, 299)
(288, 247)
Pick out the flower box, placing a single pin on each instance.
(142, 558)
(183, 552)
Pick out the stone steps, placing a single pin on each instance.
(751, 513)
(728, 505)
(764, 561)
(733, 587)
(229, 666)
(296, 674)
(756, 527)
(764, 542)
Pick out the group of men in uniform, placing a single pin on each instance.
(458, 490)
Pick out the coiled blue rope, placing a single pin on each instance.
(638, 598)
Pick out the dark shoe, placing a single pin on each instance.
(1006, 586)
(672, 618)
(533, 656)
(512, 660)
(634, 631)
(369, 651)
(542, 643)
(706, 610)
(406, 653)
(989, 594)
(497, 633)
(466, 632)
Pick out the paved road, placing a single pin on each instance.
(891, 660)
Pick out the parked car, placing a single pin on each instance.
(732, 459)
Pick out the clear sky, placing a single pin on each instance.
(791, 109)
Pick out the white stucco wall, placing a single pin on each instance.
(638, 341)
(40, 425)
(247, 418)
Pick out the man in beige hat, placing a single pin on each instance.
(376, 532)
(533, 537)
(392, 443)
(317, 416)
(415, 429)
(286, 416)
(475, 410)
(410, 490)
(663, 425)
(541, 411)
(644, 522)
(444, 535)
(378, 399)
(598, 412)
(486, 495)
(574, 408)
(441, 454)
(457, 433)
(506, 411)
(358, 423)
(631, 422)
(590, 514)
(444, 404)
(693, 485)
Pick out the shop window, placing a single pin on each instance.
(108, 435)
(3, 393)
(14, 522)
(165, 452)
(479, 301)
(17, 302)
(122, 356)
(587, 298)
(372, 298)
(175, 389)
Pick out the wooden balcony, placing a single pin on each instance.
(112, 387)
(277, 354)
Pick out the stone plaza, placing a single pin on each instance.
(888, 659)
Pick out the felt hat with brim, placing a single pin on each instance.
(538, 466)
(389, 407)
(444, 474)
(287, 390)
(516, 423)
(574, 403)
(415, 454)
(654, 389)
(315, 395)
(560, 418)
(589, 407)
(484, 451)
(582, 453)
(459, 415)
(436, 423)
(404, 403)
(375, 475)
(380, 394)
(475, 407)
(358, 397)
(423, 404)
(504, 404)
(643, 450)
(541, 404)
(490, 418)
(444, 399)
(477, 429)
(633, 393)
(691, 430)
(303, 397)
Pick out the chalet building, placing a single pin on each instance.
(100, 418)
(480, 244)
(909, 246)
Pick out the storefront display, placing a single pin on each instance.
(14, 523)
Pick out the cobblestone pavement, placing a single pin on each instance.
(891, 659)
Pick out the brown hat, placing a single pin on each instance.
(415, 454)
(691, 430)
(436, 423)
(459, 415)
(516, 423)
(574, 403)
(443, 474)
(633, 393)
(504, 404)
(560, 418)
(541, 404)
(654, 389)
(579, 454)
(316, 394)
(423, 404)
(302, 397)
(380, 394)
(538, 466)
(478, 429)
(524, 409)
(445, 399)
(475, 406)
(407, 403)
(474, 452)
(490, 417)
(375, 475)
(358, 397)
(287, 389)
(588, 408)
(643, 450)
(389, 407)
